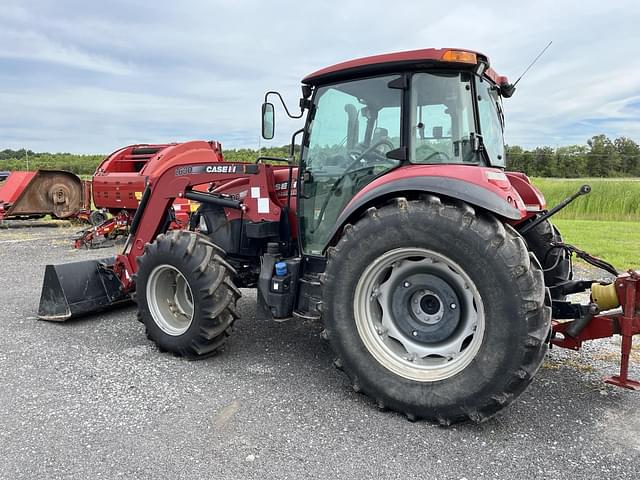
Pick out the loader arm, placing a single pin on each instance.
(177, 181)
(85, 287)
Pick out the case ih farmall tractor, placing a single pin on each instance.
(433, 270)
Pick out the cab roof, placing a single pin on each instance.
(408, 60)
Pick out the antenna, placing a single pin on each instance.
(531, 64)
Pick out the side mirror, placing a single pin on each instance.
(268, 121)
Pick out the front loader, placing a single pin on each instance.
(434, 272)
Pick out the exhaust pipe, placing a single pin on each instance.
(75, 289)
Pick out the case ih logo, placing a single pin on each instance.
(194, 169)
(221, 169)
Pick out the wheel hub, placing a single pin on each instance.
(421, 306)
(419, 314)
(430, 304)
(170, 300)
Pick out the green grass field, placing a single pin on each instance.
(616, 242)
(610, 199)
(605, 223)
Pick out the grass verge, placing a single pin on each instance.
(610, 199)
(616, 242)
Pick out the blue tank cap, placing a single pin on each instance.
(281, 269)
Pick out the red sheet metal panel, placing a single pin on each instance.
(13, 186)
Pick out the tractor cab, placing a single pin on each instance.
(369, 116)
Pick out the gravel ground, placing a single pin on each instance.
(94, 399)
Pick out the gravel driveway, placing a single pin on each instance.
(95, 399)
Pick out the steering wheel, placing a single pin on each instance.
(351, 169)
(433, 153)
(357, 155)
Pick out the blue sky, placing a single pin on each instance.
(89, 77)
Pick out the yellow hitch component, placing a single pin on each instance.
(605, 296)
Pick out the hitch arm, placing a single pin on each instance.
(584, 189)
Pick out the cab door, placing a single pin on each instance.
(354, 126)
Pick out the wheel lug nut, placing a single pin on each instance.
(414, 333)
(453, 306)
(407, 284)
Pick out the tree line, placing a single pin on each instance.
(600, 157)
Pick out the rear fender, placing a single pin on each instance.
(533, 198)
(486, 188)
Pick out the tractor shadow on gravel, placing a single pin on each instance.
(561, 393)
(292, 355)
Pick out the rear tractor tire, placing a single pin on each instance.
(434, 310)
(555, 261)
(186, 298)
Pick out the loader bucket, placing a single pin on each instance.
(74, 289)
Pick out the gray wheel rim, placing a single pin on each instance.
(170, 300)
(379, 329)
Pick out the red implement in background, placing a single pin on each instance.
(121, 177)
(43, 192)
(117, 187)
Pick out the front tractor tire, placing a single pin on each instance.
(434, 310)
(186, 298)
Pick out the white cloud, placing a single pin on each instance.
(93, 75)
(34, 46)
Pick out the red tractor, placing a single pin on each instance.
(433, 270)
